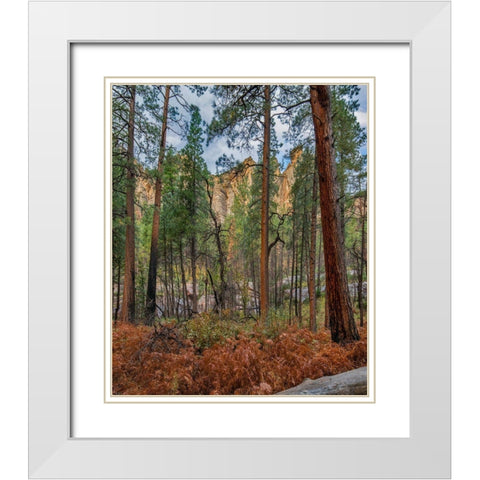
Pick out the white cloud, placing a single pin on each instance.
(362, 118)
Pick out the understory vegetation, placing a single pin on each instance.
(239, 236)
(209, 356)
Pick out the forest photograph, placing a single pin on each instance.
(239, 239)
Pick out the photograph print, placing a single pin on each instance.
(239, 239)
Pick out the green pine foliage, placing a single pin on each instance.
(210, 256)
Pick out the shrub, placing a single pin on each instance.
(207, 329)
(217, 357)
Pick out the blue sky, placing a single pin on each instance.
(219, 146)
(361, 114)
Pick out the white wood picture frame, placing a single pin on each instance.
(54, 27)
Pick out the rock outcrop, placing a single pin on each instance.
(227, 185)
(353, 382)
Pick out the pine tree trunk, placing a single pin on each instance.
(319, 263)
(223, 284)
(221, 262)
(193, 241)
(296, 278)
(217, 230)
(265, 211)
(274, 268)
(128, 301)
(319, 267)
(193, 259)
(179, 290)
(362, 266)
(205, 303)
(292, 271)
(172, 281)
(341, 205)
(327, 310)
(150, 306)
(166, 301)
(302, 251)
(217, 303)
(312, 256)
(282, 255)
(205, 308)
(117, 304)
(342, 324)
(184, 282)
(254, 285)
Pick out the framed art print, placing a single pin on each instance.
(232, 247)
(247, 372)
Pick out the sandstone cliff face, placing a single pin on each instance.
(144, 192)
(285, 182)
(226, 186)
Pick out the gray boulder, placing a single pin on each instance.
(353, 382)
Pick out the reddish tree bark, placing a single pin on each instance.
(128, 300)
(153, 264)
(342, 324)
